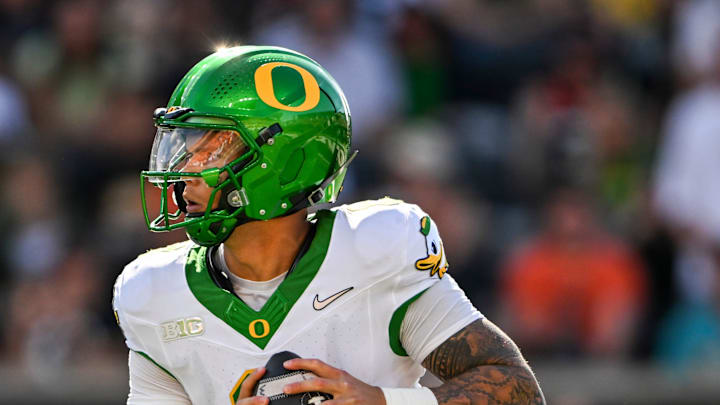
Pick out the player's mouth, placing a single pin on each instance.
(193, 206)
(196, 200)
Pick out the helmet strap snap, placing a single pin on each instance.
(266, 135)
(237, 198)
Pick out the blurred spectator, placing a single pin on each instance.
(553, 140)
(17, 17)
(689, 338)
(35, 245)
(574, 289)
(13, 112)
(628, 14)
(695, 46)
(424, 60)
(53, 322)
(579, 125)
(62, 69)
(687, 194)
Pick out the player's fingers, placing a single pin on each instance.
(314, 384)
(248, 385)
(253, 401)
(317, 366)
(343, 401)
(335, 402)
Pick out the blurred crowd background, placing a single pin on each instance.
(567, 149)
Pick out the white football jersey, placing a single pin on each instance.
(343, 303)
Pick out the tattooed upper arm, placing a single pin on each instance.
(481, 365)
(480, 343)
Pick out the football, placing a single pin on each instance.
(277, 376)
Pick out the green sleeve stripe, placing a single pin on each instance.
(156, 363)
(396, 322)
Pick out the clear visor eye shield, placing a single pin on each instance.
(198, 148)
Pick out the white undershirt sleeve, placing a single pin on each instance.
(440, 312)
(151, 385)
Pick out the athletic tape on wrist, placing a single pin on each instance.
(409, 396)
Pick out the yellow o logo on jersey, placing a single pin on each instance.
(253, 328)
(264, 87)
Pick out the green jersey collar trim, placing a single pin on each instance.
(259, 326)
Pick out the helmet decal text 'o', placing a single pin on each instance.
(266, 91)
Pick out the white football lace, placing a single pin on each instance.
(272, 387)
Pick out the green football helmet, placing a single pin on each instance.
(266, 128)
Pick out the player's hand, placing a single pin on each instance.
(246, 389)
(344, 388)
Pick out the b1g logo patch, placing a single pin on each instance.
(434, 260)
(181, 328)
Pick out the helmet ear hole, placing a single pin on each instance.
(292, 167)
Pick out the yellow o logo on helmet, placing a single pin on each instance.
(264, 87)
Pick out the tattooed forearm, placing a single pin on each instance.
(481, 365)
(491, 385)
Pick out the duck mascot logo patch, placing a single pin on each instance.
(435, 260)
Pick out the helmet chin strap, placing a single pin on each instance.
(224, 204)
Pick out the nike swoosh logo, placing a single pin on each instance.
(319, 304)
